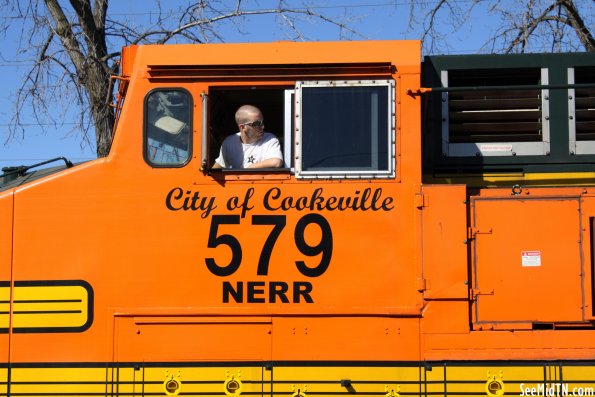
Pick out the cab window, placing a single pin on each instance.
(345, 129)
(274, 102)
(167, 129)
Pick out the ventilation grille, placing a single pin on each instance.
(497, 113)
(585, 105)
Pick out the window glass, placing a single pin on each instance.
(167, 127)
(345, 129)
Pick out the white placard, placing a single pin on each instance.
(531, 258)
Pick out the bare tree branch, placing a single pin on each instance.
(63, 29)
(576, 21)
(73, 44)
(529, 26)
(524, 25)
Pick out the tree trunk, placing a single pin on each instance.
(104, 118)
(92, 70)
(579, 26)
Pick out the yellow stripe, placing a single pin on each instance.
(297, 381)
(45, 307)
(3, 381)
(58, 381)
(505, 179)
(4, 307)
(207, 379)
(349, 380)
(474, 379)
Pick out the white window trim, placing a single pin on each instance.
(356, 173)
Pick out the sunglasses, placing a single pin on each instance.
(255, 124)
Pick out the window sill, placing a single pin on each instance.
(248, 174)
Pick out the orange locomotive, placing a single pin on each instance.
(346, 271)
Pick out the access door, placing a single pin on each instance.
(527, 265)
(191, 355)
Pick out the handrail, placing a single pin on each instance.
(424, 90)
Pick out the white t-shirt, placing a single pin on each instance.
(235, 154)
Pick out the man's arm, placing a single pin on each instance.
(268, 163)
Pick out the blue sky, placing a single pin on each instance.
(377, 20)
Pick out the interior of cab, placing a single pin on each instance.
(223, 103)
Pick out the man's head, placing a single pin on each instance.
(250, 122)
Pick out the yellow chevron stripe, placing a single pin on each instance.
(41, 306)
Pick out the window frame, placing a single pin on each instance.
(390, 172)
(146, 125)
(283, 133)
(289, 118)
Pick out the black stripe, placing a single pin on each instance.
(47, 301)
(66, 383)
(309, 363)
(47, 311)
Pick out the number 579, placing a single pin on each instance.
(324, 247)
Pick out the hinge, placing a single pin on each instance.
(421, 284)
(473, 231)
(421, 200)
(475, 292)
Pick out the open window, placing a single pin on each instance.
(276, 103)
(327, 129)
(495, 112)
(167, 137)
(345, 129)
